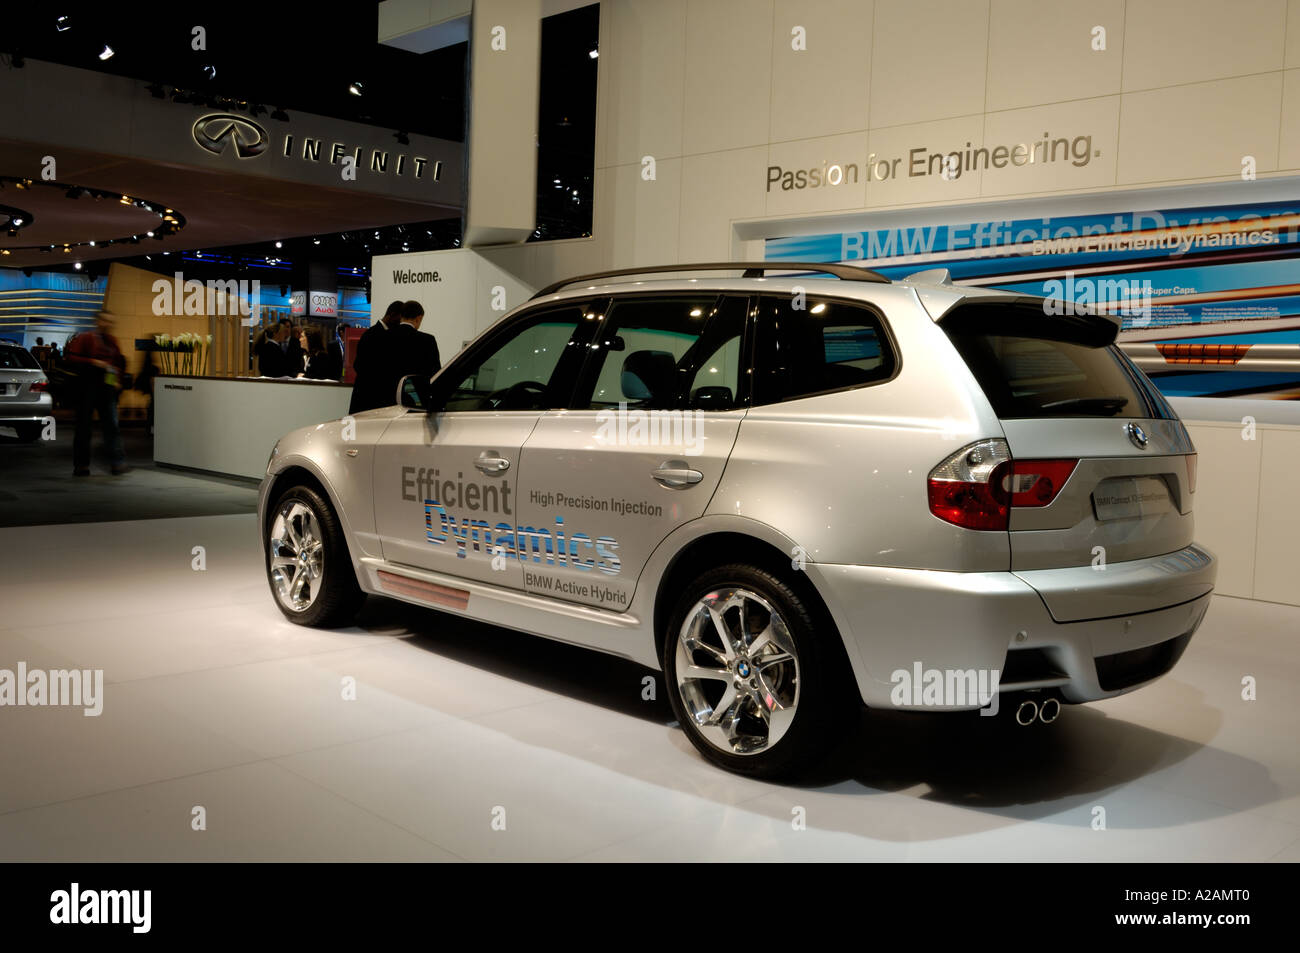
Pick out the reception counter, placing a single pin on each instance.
(229, 425)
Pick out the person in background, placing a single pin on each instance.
(321, 365)
(99, 364)
(270, 356)
(295, 355)
(414, 352)
(368, 391)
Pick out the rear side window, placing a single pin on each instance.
(1030, 364)
(823, 346)
(664, 353)
(17, 358)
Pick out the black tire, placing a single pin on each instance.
(827, 698)
(337, 596)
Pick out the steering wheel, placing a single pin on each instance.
(504, 399)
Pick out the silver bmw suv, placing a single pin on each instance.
(793, 493)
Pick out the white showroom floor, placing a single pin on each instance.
(213, 700)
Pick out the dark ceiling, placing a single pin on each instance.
(290, 55)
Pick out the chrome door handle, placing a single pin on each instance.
(677, 476)
(492, 464)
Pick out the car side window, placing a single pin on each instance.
(826, 345)
(530, 367)
(665, 353)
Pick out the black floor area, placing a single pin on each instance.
(37, 486)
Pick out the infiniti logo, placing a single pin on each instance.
(212, 133)
(1137, 435)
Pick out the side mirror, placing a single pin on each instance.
(408, 393)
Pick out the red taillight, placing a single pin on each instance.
(978, 485)
(39, 387)
(972, 505)
(968, 489)
(1036, 482)
(1191, 473)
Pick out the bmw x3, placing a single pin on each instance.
(794, 490)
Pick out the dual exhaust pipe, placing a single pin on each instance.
(1029, 711)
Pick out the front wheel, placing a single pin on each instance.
(753, 675)
(307, 561)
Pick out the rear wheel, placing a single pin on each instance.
(307, 561)
(752, 673)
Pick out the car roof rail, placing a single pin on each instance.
(748, 269)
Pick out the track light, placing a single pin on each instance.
(355, 88)
(209, 71)
(106, 53)
(63, 24)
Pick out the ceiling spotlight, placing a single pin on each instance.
(106, 53)
(77, 266)
(279, 245)
(22, 183)
(280, 115)
(209, 71)
(4, 251)
(198, 254)
(63, 23)
(594, 54)
(125, 200)
(402, 138)
(315, 241)
(19, 220)
(150, 234)
(92, 244)
(355, 88)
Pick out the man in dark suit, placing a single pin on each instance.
(270, 353)
(371, 362)
(414, 352)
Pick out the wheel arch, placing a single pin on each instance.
(719, 548)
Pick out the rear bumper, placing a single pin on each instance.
(899, 624)
(26, 411)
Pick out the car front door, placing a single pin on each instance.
(640, 450)
(447, 483)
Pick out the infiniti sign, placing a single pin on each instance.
(212, 133)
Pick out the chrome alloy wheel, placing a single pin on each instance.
(737, 671)
(297, 556)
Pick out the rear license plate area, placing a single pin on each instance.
(1126, 498)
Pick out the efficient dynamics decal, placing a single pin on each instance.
(454, 513)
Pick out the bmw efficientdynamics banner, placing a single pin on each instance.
(1202, 265)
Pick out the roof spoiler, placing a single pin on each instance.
(931, 276)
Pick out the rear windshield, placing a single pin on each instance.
(13, 358)
(1033, 365)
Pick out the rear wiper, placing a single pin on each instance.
(1110, 405)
